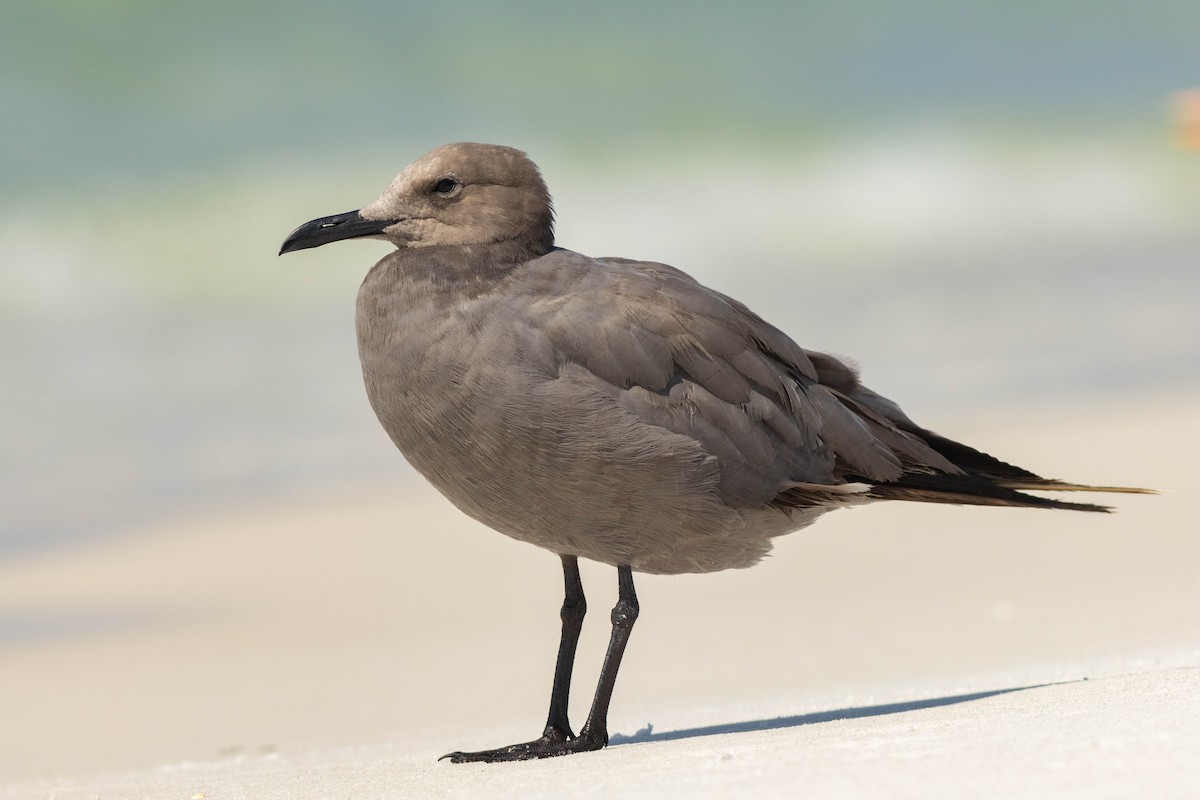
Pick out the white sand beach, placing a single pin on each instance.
(335, 646)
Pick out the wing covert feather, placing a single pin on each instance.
(685, 358)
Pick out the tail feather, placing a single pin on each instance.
(1051, 485)
(1013, 500)
(987, 481)
(969, 490)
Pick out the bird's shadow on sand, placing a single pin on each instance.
(647, 734)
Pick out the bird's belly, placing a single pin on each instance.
(554, 461)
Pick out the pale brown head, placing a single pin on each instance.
(462, 194)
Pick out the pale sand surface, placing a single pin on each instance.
(1060, 741)
(334, 647)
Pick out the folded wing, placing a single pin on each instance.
(789, 427)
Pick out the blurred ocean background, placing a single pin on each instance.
(987, 207)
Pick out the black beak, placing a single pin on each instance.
(321, 231)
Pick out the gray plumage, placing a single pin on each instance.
(612, 409)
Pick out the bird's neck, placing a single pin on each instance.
(462, 265)
(444, 275)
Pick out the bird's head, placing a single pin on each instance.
(462, 194)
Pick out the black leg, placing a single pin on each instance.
(594, 733)
(558, 732)
(574, 607)
(557, 739)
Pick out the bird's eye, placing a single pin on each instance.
(446, 187)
